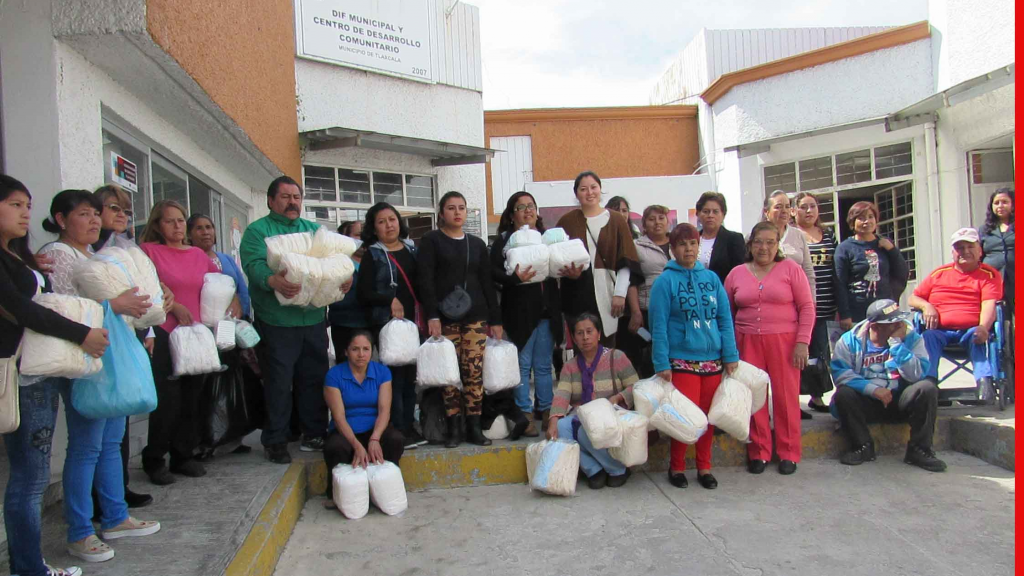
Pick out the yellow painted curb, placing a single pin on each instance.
(259, 553)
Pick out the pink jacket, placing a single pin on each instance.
(782, 303)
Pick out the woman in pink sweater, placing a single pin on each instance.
(172, 426)
(773, 308)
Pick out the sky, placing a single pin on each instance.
(580, 53)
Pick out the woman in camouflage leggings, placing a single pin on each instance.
(450, 260)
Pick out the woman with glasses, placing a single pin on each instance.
(721, 250)
(773, 308)
(531, 313)
(815, 379)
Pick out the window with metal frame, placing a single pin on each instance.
(815, 173)
(896, 221)
(335, 185)
(853, 167)
(780, 177)
(893, 160)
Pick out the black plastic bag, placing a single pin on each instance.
(432, 416)
(232, 403)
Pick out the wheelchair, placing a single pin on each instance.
(1000, 355)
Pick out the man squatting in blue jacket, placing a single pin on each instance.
(878, 368)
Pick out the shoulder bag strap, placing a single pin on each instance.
(404, 277)
(597, 251)
(465, 278)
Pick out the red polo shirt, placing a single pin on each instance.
(957, 295)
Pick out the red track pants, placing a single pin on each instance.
(700, 389)
(773, 353)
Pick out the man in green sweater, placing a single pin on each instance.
(293, 339)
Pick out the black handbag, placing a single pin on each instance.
(457, 303)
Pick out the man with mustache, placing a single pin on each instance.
(293, 345)
(958, 302)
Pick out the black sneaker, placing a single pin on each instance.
(597, 481)
(315, 444)
(860, 455)
(277, 453)
(620, 480)
(787, 467)
(923, 458)
(756, 466)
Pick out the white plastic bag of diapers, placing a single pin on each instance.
(351, 490)
(554, 236)
(633, 450)
(600, 422)
(278, 246)
(111, 271)
(303, 270)
(730, 408)
(648, 394)
(499, 429)
(552, 466)
(335, 271)
(399, 341)
(387, 488)
(50, 356)
(525, 236)
(501, 366)
(215, 298)
(224, 334)
(245, 335)
(194, 351)
(755, 379)
(563, 254)
(535, 257)
(437, 363)
(680, 418)
(326, 244)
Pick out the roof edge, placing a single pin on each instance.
(870, 43)
(600, 113)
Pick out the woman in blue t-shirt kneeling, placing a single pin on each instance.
(358, 392)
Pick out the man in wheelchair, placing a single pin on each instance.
(879, 368)
(958, 305)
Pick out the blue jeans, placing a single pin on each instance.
(936, 340)
(592, 460)
(94, 459)
(536, 356)
(28, 451)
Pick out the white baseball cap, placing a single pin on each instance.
(964, 235)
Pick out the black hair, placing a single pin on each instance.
(712, 197)
(276, 184)
(65, 202)
(352, 336)
(581, 176)
(506, 224)
(586, 316)
(617, 202)
(369, 233)
(444, 200)
(18, 246)
(191, 223)
(344, 227)
(991, 220)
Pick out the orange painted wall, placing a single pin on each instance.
(614, 142)
(243, 54)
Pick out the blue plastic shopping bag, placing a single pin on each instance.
(125, 384)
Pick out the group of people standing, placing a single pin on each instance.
(685, 303)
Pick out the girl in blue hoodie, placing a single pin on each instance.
(693, 340)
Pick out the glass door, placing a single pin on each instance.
(169, 182)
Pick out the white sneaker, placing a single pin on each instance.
(132, 527)
(69, 571)
(91, 549)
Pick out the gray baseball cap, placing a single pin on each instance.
(885, 311)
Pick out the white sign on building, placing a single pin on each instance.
(391, 37)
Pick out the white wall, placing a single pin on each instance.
(972, 37)
(679, 193)
(330, 96)
(865, 86)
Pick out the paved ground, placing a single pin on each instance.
(881, 518)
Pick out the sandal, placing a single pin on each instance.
(90, 549)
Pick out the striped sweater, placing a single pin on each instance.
(614, 374)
